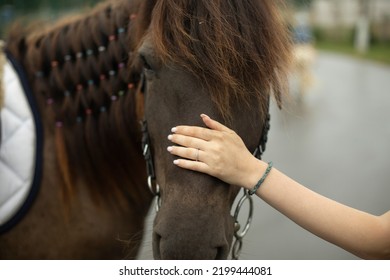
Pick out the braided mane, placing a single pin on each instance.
(79, 72)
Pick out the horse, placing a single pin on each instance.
(96, 77)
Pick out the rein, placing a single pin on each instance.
(155, 188)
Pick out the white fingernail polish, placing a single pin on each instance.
(176, 161)
(169, 137)
(174, 129)
(169, 149)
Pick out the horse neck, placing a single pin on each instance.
(79, 73)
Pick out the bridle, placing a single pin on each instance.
(146, 148)
(239, 236)
(155, 188)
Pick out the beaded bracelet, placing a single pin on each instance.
(257, 186)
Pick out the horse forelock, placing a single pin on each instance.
(239, 49)
(79, 72)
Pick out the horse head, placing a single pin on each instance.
(222, 58)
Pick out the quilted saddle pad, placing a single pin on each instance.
(19, 154)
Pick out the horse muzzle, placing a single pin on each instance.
(192, 234)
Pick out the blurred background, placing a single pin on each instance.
(26, 10)
(350, 26)
(333, 132)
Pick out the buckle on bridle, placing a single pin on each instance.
(155, 190)
(152, 184)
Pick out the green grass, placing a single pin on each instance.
(378, 52)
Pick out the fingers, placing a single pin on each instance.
(200, 132)
(213, 124)
(193, 131)
(192, 165)
(187, 141)
(187, 153)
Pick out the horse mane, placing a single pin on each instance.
(240, 50)
(78, 71)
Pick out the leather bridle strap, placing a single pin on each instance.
(264, 138)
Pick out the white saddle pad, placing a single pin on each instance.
(18, 146)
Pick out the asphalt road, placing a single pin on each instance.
(336, 141)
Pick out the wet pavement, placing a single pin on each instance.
(336, 141)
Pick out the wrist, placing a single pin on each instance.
(255, 171)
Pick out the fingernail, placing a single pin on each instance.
(174, 129)
(169, 149)
(176, 161)
(203, 116)
(169, 137)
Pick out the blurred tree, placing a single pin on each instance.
(14, 9)
(32, 5)
(301, 3)
(362, 37)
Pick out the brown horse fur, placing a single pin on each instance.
(91, 105)
(93, 164)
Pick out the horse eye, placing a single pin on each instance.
(145, 63)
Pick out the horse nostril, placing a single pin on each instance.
(221, 253)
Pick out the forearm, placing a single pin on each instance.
(360, 233)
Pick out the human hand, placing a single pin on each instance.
(217, 151)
